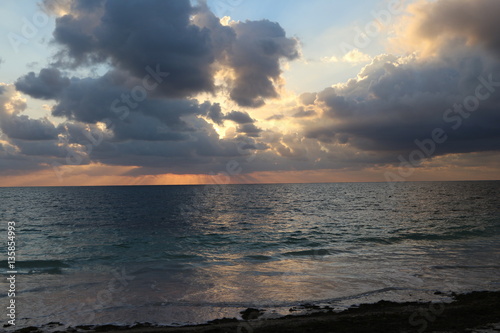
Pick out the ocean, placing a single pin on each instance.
(178, 255)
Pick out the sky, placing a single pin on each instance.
(153, 92)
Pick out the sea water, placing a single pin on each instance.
(188, 254)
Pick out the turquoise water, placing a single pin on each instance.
(188, 254)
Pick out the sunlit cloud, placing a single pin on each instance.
(353, 56)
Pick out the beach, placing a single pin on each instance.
(474, 312)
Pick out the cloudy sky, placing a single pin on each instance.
(103, 92)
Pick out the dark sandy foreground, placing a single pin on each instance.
(474, 312)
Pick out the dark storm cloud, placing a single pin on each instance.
(397, 101)
(249, 129)
(48, 84)
(239, 117)
(22, 127)
(202, 152)
(255, 57)
(113, 97)
(154, 136)
(474, 20)
(90, 100)
(135, 35)
(325, 135)
(215, 114)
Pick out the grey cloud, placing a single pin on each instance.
(46, 150)
(127, 33)
(90, 100)
(397, 101)
(253, 49)
(322, 134)
(239, 117)
(255, 57)
(215, 114)
(249, 129)
(22, 127)
(113, 97)
(202, 153)
(48, 84)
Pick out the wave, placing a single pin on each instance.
(259, 257)
(456, 235)
(316, 252)
(466, 267)
(41, 264)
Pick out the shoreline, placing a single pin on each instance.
(479, 310)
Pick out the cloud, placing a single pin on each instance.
(48, 84)
(245, 123)
(171, 76)
(25, 144)
(255, 59)
(398, 100)
(189, 43)
(119, 118)
(239, 117)
(22, 127)
(113, 97)
(132, 37)
(215, 114)
(354, 56)
(164, 134)
(249, 129)
(473, 22)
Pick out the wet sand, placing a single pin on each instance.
(473, 312)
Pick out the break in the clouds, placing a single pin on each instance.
(182, 91)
